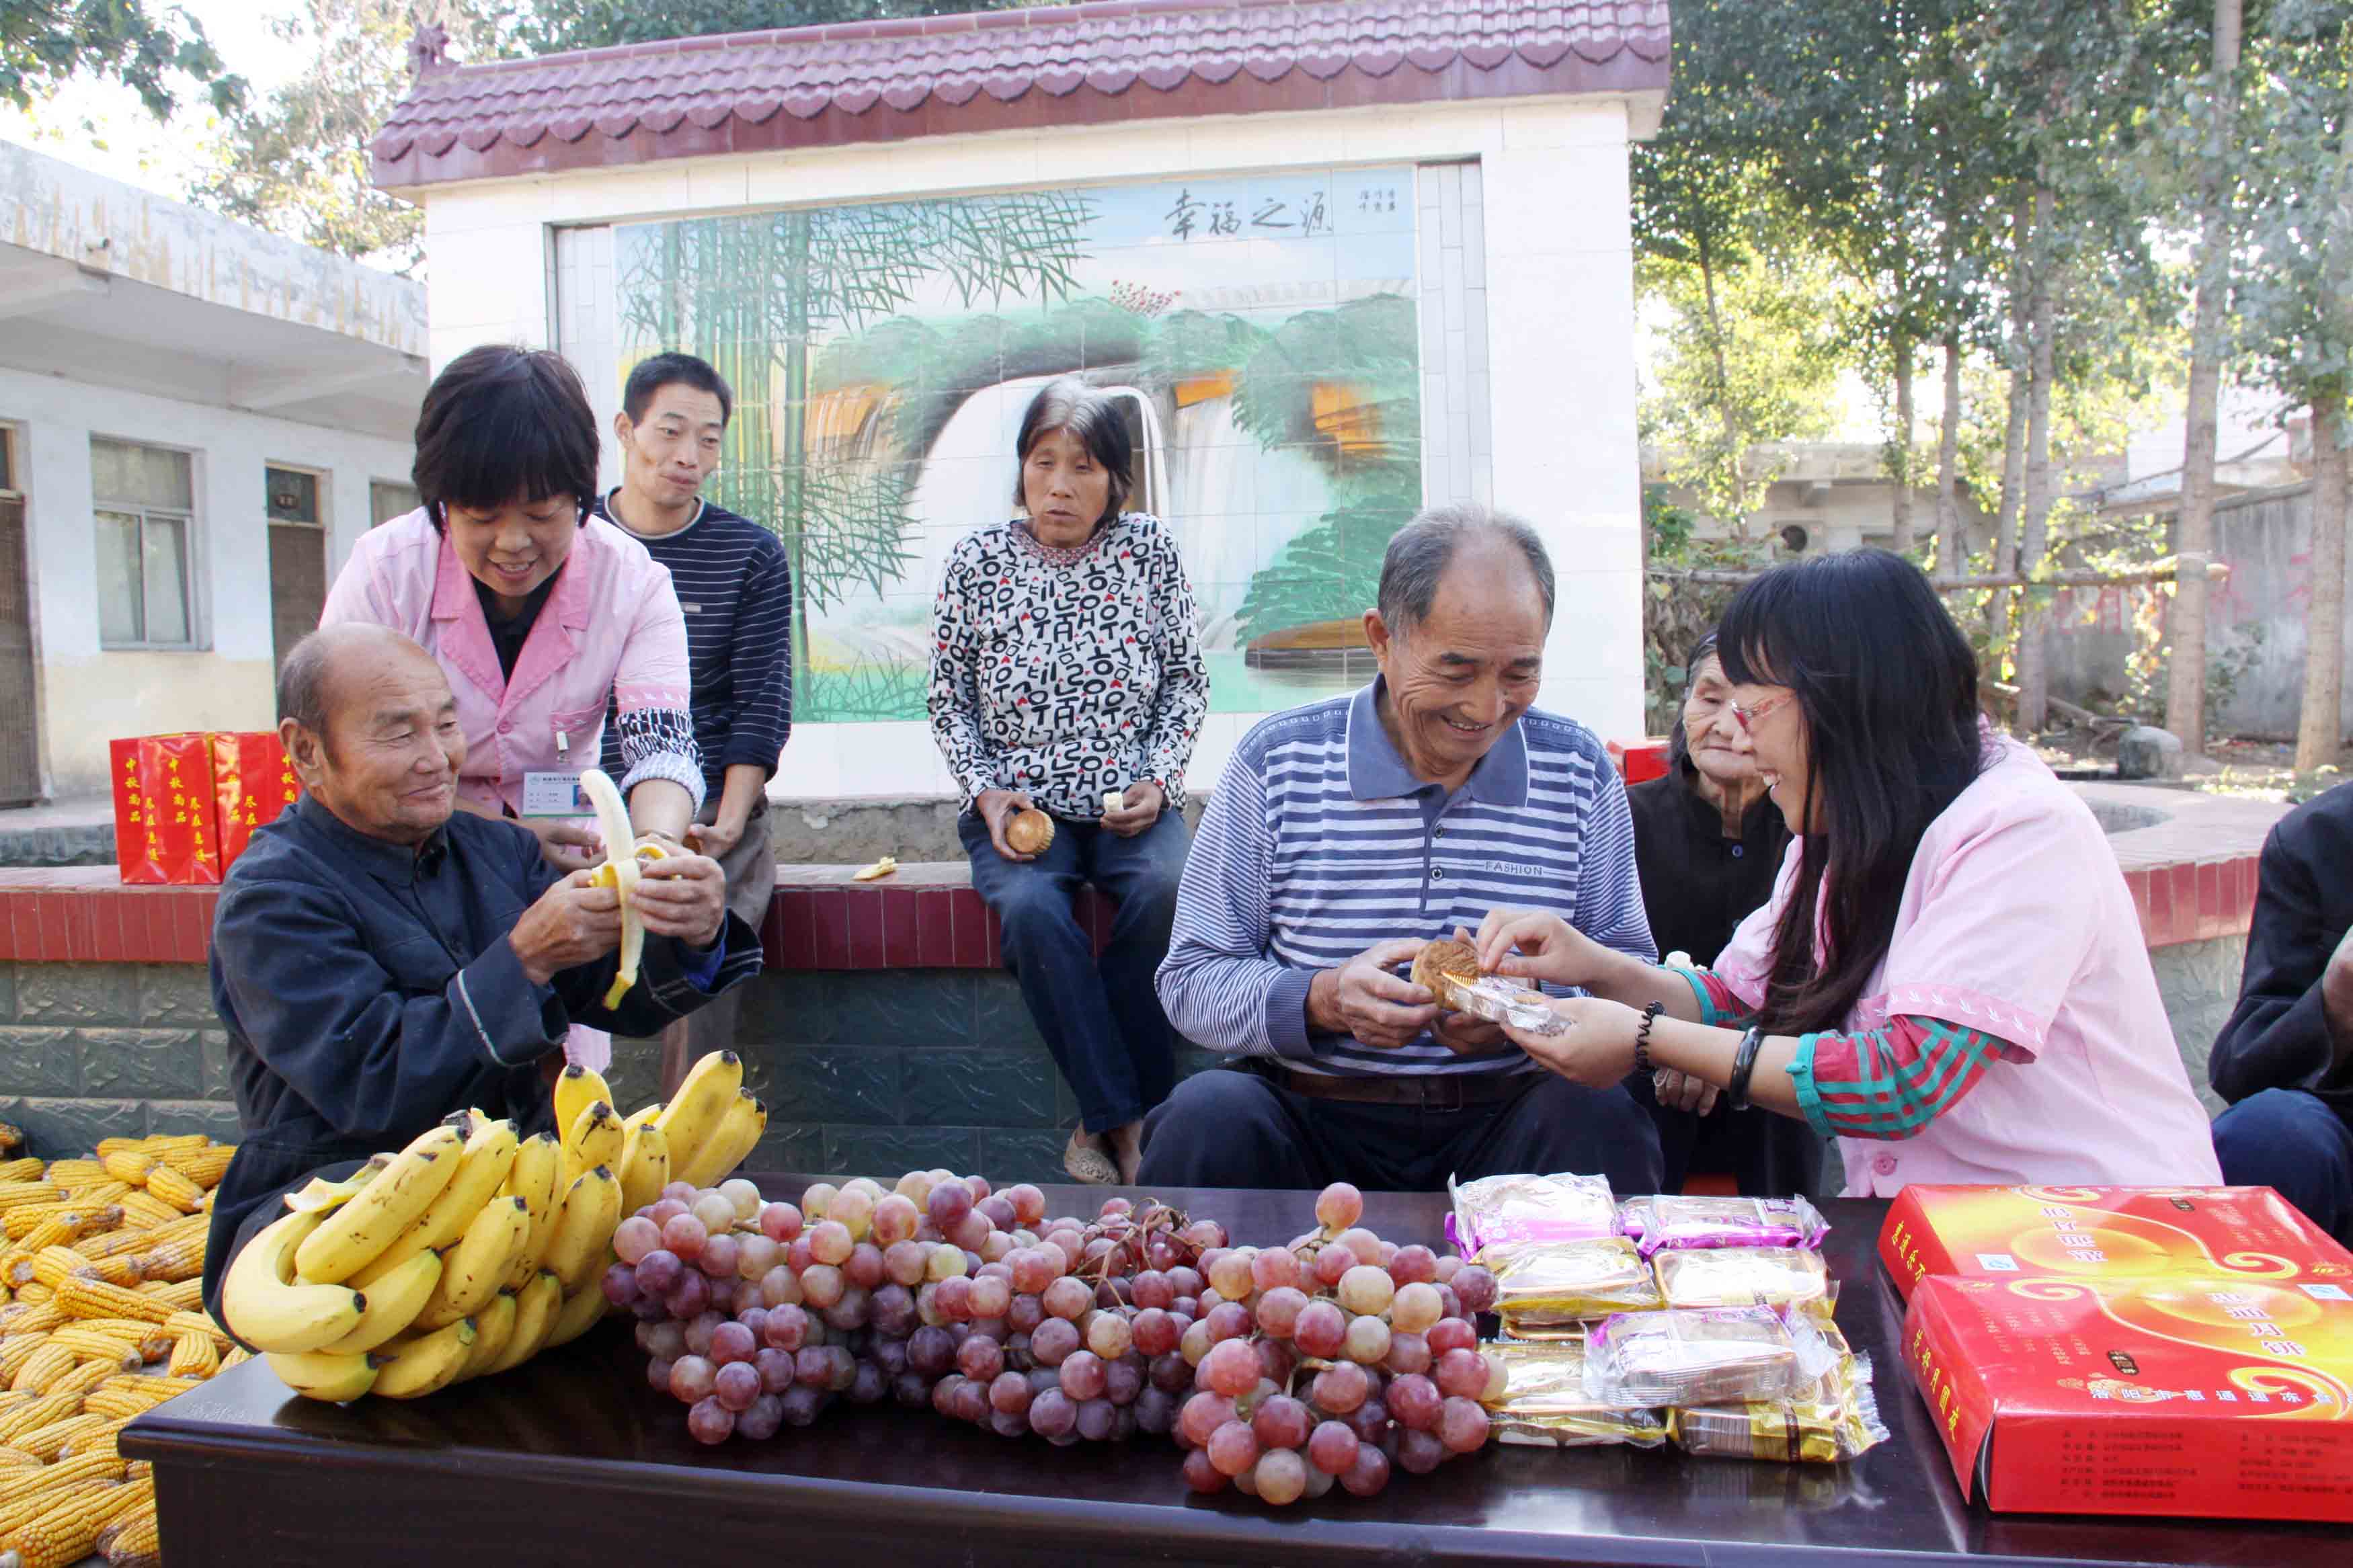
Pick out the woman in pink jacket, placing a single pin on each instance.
(536, 610)
(1949, 977)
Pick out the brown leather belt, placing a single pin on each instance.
(1427, 1090)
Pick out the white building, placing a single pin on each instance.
(196, 420)
(1341, 260)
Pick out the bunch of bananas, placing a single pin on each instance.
(471, 1250)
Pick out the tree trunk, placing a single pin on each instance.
(2034, 528)
(1950, 542)
(2319, 732)
(2013, 439)
(1899, 450)
(2184, 699)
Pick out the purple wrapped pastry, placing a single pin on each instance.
(1672, 1220)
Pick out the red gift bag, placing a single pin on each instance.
(166, 823)
(252, 783)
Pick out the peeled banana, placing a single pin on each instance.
(620, 872)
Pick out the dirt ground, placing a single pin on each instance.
(2262, 770)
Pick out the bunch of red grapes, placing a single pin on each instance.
(1283, 1370)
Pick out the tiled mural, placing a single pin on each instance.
(1260, 332)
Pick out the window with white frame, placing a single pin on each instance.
(389, 498)
(144, 506)
(7, 460)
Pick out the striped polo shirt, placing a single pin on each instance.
(1320, 842)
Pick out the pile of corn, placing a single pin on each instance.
(99, 1280)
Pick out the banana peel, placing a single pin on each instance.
(620, 872)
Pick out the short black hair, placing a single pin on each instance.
(673, 369)
(502, 423)
(1420, 551)
(1094, 421)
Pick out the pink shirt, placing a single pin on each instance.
(2016, 921)
(610, 626)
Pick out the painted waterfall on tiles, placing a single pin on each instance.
(1260, 332)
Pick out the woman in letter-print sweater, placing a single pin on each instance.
(1066, 666)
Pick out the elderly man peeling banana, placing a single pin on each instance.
(381, 959)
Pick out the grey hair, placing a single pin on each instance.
(302, 682)
(1092, 420)
(1423, 549)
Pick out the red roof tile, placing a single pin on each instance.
(879, 81)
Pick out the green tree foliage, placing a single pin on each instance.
(154, 50)
(547, 26)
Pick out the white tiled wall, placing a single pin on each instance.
(1534, 206)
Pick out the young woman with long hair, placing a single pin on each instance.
(1950, 977)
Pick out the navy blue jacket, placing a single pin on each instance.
(369, 991)
(2278, 1037)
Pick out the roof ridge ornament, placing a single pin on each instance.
(428, 51)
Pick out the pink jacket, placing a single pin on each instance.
(611, 626)
(2016, 920)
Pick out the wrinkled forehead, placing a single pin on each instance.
(368, 687)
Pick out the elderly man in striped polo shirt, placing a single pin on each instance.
(1344, 835)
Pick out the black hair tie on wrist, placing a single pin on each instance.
(1744, 1064)
(1643, 1035)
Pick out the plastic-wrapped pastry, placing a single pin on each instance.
(1837, 1420)
(1544, 1405)
(1744, 1277)
(1553, 1282)
(1723, 1355)
(1449, 970)
(1670, 1220)
(1506, 1211)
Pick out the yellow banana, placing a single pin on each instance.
(701, 1104)
(738, 1132)
(420, 1364)
(355, 1234)
(620, 872)
(537, 1306)
(393, 1303)
(536, 1178)
(641, 1115)
(595, 1139)
(319, 1194)
(592, 1208)
(473, 1270)
(581, 1311)
(645, 1167)
(338, 1376)
(577, 1088)
(493, 1325)
(262, 1305)
(489, 1154)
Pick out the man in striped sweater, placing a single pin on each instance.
(736, 588)
(1344, 835)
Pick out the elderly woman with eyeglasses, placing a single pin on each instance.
(1950, 977)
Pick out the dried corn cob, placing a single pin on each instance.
(104, 1244)
(65, 1533)
(12, 1460)
(194, 1355)
(111, 1145)
(175, 1189)
(35, 1293)
(25, 1170)
(30, 1317)
(19, 1511)
(181, 1295)
(199, 1322)
(15, 1351)
(44, 1367)
(52, 1264)
(16, 1483)
(236, 1355)
(75, 1169)
(97, 1347)
(100, 1193)
(99, 1440)
(204, 1167)
(49, 1440)
(85, 1376)
(180, 1260)
(147, 1211)
(36, 1226)
(83, 1297)
(26, 1195)
(36, 1413)
(138, 1540)
(160, 1144)
(127, 1165)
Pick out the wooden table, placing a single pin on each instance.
(573, 1461)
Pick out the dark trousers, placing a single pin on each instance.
(1101, 1019)
(2295, 1143)
(1236, 1127)
(1769, 1156)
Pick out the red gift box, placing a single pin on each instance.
(186, 806)
(252, 783)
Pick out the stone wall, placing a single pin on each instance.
(100, 1050)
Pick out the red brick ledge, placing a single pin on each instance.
(926, 917)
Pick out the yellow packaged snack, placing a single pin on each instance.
(1745, 1276)
(1837, 1421)
(1555, 1282)
(1544, 1403)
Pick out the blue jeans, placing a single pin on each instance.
(1103, 1021)
(2293, 1142)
